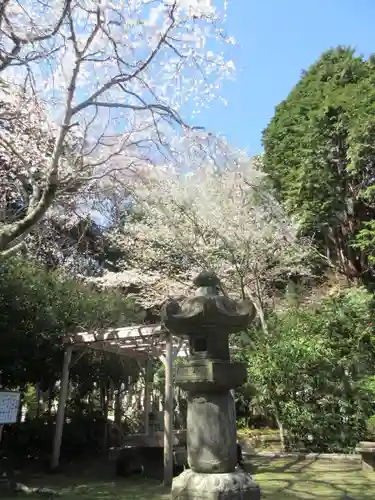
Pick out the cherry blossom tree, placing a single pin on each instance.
(26, 27)
(149, 288)
(225, 219)
(96, 89)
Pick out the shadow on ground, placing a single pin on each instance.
(279, 479)
(93, 481)
(132, 489)
(288, 479)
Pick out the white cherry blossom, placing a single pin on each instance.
(111, 85)
(223, 218)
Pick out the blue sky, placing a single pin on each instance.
(279, 38)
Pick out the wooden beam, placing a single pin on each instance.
(129, 332)
(60, 417)
(147, 338)
(168, 415)
(113, 349)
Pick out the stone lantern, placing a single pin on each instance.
(207, 319)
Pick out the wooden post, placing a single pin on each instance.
(168, 415)
(1, 425)
(60, 417)
(147, 395)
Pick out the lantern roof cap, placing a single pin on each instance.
(209, 310)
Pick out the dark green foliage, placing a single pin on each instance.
(37, 309)
(308, 373)
(82, 437)
(319, 152)
(315, 372)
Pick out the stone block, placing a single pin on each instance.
(210, 375)
(367, 451)
(238, 485)
(211, 433)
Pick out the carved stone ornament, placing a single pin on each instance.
(207, 310)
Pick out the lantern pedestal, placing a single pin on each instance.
(237, 485)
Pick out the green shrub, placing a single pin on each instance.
(371, 428)
(308, 371)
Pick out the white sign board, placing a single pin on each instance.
(9, 403)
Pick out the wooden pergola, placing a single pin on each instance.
(140, 342)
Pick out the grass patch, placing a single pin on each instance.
(281, 479)
(135, 488)
(288, 479)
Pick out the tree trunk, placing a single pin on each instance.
(262, 318)
(104, 405)
(11, 233)
(50, 401)
(259, 308)
(280, 426)
(118, 406)
(20, 408)
(129, 397)
(139, 400)
(38, 395)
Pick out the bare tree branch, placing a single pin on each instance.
(89, 97)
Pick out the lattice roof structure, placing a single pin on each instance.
(140, 342)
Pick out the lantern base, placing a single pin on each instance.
(238, 485)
